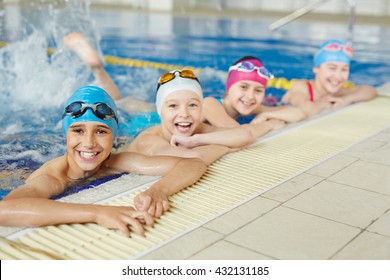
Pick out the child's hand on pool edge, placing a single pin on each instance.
(155, 202)
(121, 217)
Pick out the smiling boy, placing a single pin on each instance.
(90, 123)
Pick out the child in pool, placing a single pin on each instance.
(182, 132)
(245, 89)
(331, 70)
(90, 123)
(81, 47)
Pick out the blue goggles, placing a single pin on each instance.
(100, 110)
(247, 66)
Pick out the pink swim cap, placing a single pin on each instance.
(250, 69)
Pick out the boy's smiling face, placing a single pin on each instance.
(88, 145)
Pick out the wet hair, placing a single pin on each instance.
(247, 57)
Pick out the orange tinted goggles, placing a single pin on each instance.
(169, 76)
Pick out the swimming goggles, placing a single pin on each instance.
(169, 76)
(335, 47)
(101, 110)
(247, 66)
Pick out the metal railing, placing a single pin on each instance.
(308, 8)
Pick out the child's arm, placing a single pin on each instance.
(155, 145)
(264, 127)
(313, 108)
(215, 114)
(29, 205)
(237, 137)
(288, 114)
(352, 95)
(178, 173)
(207, 153)
(231, 137)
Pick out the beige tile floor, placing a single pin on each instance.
(339, 209)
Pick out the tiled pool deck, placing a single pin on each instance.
(339, 209)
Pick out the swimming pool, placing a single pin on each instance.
(33, 87)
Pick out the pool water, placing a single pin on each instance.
(35, 85)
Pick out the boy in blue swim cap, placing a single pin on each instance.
(331, 68)
(102, 108)
(90, 121)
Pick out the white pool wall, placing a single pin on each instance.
(334, 7)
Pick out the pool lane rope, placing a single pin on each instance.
(279, 83)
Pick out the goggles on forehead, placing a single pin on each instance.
(100, 110)
(247, 66)
(169, 76)
(335, 47)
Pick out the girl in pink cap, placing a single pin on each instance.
(245, 89)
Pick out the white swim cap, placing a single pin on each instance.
(176, 80)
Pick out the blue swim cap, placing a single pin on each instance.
(90, 95)
(333, 51)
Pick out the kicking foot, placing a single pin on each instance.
(80, 46)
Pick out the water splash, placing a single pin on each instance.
(35, 83)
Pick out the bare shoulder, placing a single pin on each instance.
(297, 93)
(215, 114)
(144, 138)
(299, 85)
(149, 142)
(55, 168)
(211, 105)
(210, 101)
(49, 180)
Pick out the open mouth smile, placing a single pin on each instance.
(247, 103)
(88, 155)
(183, 127)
